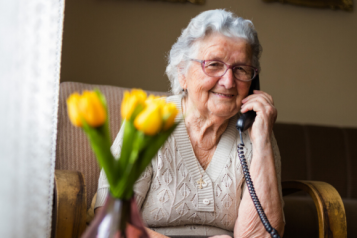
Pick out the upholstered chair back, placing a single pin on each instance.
(319, 153)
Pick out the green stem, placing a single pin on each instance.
(99, 139)
(128, 178)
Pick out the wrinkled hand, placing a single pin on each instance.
(221, 236)
(263, 104)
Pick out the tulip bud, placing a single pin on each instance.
(91, 109)
(72, 109)
(169, 112)
(132, 103)
(155, 99)
(149, 120)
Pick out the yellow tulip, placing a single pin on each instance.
(131, 102)
(155, 99)
(169, 112)
(150, 120)
(72, 109)
(91, 109)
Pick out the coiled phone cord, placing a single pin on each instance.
(273, 233)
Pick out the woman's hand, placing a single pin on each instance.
(221, 236)
(262, 170)
(263, 104)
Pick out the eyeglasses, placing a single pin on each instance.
(216, 68)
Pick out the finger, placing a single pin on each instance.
(268, 97)
(261, 106)
(272, 111)
(265, 94)
(268, 112)
(252, 105)
(259, 98)
(258, 93)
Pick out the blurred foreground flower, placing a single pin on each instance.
(87, 107)
(73, 111)
(147, 122)
(92, 109)
(133, 102)
(169, 114)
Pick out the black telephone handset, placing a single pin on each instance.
(246, 119)
(244, 122)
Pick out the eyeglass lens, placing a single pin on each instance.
(218, 68)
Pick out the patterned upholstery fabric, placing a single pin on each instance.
(319, 153)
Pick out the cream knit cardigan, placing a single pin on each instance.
(167, 192)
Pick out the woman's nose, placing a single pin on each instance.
(228, 80)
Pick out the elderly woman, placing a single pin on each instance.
(195, 184)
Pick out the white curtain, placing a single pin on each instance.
(30, 54)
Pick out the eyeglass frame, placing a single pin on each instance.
(228, 67)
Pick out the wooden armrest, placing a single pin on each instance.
(69, 204)
(330, 209)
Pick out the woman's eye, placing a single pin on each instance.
(240, 69)
(214, 65)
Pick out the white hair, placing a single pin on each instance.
(206, 23)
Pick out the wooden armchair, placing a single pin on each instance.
(330, 210)
(77, 173)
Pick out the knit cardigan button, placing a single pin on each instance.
(205, 201)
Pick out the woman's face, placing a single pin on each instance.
(218, 96)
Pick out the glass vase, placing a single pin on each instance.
(118, 219)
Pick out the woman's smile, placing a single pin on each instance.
(223, 95)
